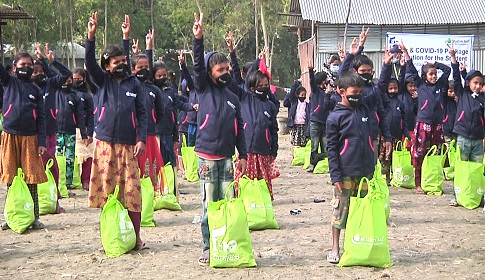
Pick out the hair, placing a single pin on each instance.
(159, 65)
(255, 77)
(300, 90)
(216, 58)
(450, 84)
(320, 77)
(475, 73)
(246, 67)
(136, 58)
(109, 52)
(82, 72)
(333, 58)
(350, 79)
(393, 81)
(21, 55)
(425, 69)
(362, 60)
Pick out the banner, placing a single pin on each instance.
(434, 47)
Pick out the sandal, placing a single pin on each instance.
(333, 258)
(5, 226)
(59, 209)
(453, 203)
(204, 259)
(38, 225)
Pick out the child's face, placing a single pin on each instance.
(218, 70)
(68, 81)
(432, 76)
(77, 77)
(115, 61)
(302, 94)
(262, 83)
(23, 62)
(476, 83)
(38, 70)
(411, 87)
(161, 73)
(365, 69)
(451, 92)
(142, 63)
(335, 63)
(348, 93)
(392, 88)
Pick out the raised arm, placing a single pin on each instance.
(89, 114)
(402, 75)
(126, 29)
(443, 80)
(200, 71)
(97, 74)
(149, 51)
(274, 133)
(346, 65)
(463, 71)
(456, 72)
(236, 70)
(291, 97)
(184, 71)
(64, 73)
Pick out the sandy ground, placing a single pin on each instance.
(428, 239)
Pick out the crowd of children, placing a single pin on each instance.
(123, 117)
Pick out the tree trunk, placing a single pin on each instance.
(270, 57)
(256, 27)
(265, 32)
(346, 24)
(105, 22)
(73, 52)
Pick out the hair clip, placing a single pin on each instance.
(106, 55)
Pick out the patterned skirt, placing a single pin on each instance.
(260, 167)
(298, 135)
(427, 135)
(114, 164)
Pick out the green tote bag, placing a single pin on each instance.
(470, 185)
(432, 172)
(47, 192)
(19, 206)
(402, 169)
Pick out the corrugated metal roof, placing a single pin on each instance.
(385, 12)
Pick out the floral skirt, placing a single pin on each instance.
(427, 135)
(260, 167)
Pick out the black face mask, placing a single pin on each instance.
(66, 87)
(262, 93)
(301, 99)
(367, 77)
(393, 95)
(223, 80)
(121, 71)
(79, 85)
(355, 100)
(40, 79)
(161, 83)
(143, 75)
(24, 73)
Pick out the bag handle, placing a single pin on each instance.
(398, 146)
(49, 164)
(432, 150)
(117, 190)
(447, 148)
(231, 185)
(361, 183)
(184, 141)
(20, 173)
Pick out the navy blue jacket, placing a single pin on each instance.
(70, 113)
(396, 119)
(411, 108)
(121, 115)
(430, 97)
(53, 83)
(155, 106)
(187, 81)
(469, 111)
(450, 115)
(349, 142)
(319, 113)
(23, 107)
(291, 101)
(219, 120)
(183, 117)
(245, 86)
(88, 105)
(260, 125)
(173, 101)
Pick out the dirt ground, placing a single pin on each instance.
(428, 239)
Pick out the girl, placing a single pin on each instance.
(84, 153)
(298, 114)
(331, 69)
(450, 111)
(121, 128)
(220, 128)
(409, 98)
(429, 121)
(23, 138)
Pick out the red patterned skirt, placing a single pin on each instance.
(260, 167)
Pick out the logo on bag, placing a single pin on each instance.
(53, 192)
(126, 227)
(28, 206)
(254, 206)
(457, 189)
(480, 191)
(223, 247)
(361, 240)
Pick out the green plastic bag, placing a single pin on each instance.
(117, 231)
(402, 169)
(76, 175)
(321, 167)
(366, 241)
(470, 185)
(191, 163)
(257, 202)
(47, 192)
(230, 241)
(432, 172)
(379, 183)
(19, 206)
(451, 154)
(167, 199)
(300, 153)
(147, 199)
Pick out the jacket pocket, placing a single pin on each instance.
(316, 109)
(267, 135)
(425, 104)
(153, 116)
(8, 110)
(103, 109)
(378, 119)
(235, 127)
(346, 146)
(204, 124)
(34, 113)
(185, 120)
(245, 125)
(74, 118)
(133, 119)
(461, 115)
(95, 111)
(370, 144)
(53, 114)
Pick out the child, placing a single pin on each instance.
(84, 154)
(429, 121)
(260, 126)
(331, 69)
(220, 128)
(469, 124)
(70, 115)
(450, 101)
(396, 54)
(121, 128)
(187, 86)
(23, 137)
(409, 98)
(350, 149)
(298, 113)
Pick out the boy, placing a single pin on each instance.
(350, 149)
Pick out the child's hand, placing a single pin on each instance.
(126, 28)
(229, 42)
(414, 94)
(309, 64)
(402, 46)
(90, 140)
(196, 107)
(149, 39)
(354, 48)
(160, 58)
(463, 66)
(341, 51)
(49, 53)
(387, 55)
(197, 29)
(139, 149)
(338, 185)
(388, 149)
(329, 89)
(243, 163)
(452, 52)
(263, 53)
(41, 150)
(363, 36)
(135, 48)
(86, 142)
(402, 61)
(92, 25)
(38, 51)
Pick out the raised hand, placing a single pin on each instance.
(463, 66)
(181, 57)
(387, 55)
(341, 51)
(197, 29)
(402, 61)
(92, 25)
(135, 48)
(38, 51)
(126, 28)
(363, 36)
(229, 42)
(354, 47)
(263, 53)
(452, 52)
(309, 64)
(149, 39)
(49, 54)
